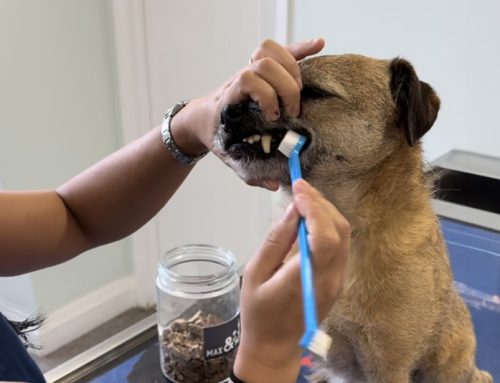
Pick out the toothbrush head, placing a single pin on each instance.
(292, 142)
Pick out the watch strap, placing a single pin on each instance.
(169, 141)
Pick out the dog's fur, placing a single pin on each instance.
(398, 319)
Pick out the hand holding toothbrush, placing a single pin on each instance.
(271, 305)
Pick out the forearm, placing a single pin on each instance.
(121, 193)
(105, 203)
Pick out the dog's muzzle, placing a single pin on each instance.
(246, 135)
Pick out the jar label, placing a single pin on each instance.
(221, 339)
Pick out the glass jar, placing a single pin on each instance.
(198, 294)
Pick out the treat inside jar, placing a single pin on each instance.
(185, 355)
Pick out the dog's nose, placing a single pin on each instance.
(232, 113)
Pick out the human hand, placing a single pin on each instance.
(271, 301)
(273, 74)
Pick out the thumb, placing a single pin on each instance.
(306, 48)
(276, 246)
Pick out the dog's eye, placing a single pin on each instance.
(312, 93)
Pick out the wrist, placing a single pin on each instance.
(184, 128)
(252, 364)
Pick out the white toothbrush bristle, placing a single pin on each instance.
(288, 143)
(320, 344)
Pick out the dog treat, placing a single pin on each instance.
(184, 362)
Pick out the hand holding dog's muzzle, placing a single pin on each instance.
(273, 75)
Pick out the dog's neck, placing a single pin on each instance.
(388, 196)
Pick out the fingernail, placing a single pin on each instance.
(300, 198)
(300, 184)
(271, 116)
(276, 115)
(289, 212)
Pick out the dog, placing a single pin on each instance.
(398, 319)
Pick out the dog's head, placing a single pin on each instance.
(355, 111)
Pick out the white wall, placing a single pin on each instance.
(60, 109)
(17, 298)
(454, 45)
(193, 46)
(58, 115)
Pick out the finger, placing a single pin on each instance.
(327, 292)
(280, 79)
(270, 48)
(318, 218)
(286, 279)
(276, 246)
(312, 206)
(334, 246)
(302, 186)
(322, 234)
(330, 280)
(303, 49)
(250, 84)
(338, 263)
(328, 230)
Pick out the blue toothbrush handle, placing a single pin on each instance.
(294, 164)
(306, 268)
(306, 275)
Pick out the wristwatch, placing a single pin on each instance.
(168, 140)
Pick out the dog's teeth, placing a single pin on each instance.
(266, 144)
(252, 139)
(256, 137)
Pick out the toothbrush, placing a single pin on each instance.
(314, 339)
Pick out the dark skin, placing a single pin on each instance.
(119, 194)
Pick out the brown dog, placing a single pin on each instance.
(398, 319)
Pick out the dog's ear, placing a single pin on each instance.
(417, 103)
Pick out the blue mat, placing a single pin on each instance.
(475, 260)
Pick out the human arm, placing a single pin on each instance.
(271, 302)
(104, 203)
(122, 192)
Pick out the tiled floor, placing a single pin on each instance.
(92, 338)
